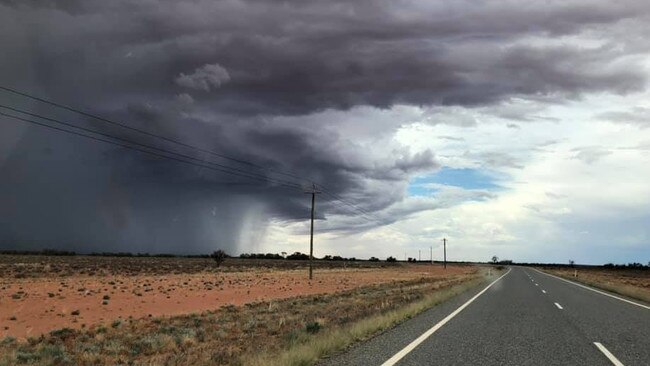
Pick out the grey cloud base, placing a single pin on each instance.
(219, 74)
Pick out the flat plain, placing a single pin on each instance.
(112, 304)
(634, 283)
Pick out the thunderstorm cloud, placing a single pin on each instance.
(302, 91)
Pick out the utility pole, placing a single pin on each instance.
(444, 245)
(313, 193)
(419, 255)
(431, 248)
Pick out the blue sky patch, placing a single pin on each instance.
(465, 178)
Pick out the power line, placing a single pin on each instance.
(164, 153)
(364, 213)
(326, 191)
(222, 167)
(126, 146)
(150, 134)
(147, 133)
(141, 150)
(358, 210)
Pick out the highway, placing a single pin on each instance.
(526, 317)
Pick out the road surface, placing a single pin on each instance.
(524, 318)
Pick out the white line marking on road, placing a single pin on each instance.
(608, 354)
(411, 346)
(594, 290)
(536, 284)
(543, 291)
(559, 306)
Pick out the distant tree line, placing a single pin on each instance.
(220, 253)
(294, 256)
(55, 252)
(627, 266)
(301, 256)
(260, 256)
(495, 260)
(637, 266)
(334, 258)
(39, 252)
(127, 254)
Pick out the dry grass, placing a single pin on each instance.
(333, 340)
(40, 305)
(38, 266)
(631, 283)
(308, 327)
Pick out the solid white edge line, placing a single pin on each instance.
(594, 290)
(559, 306)
(411, 346)
(608, 354)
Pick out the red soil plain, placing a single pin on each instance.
(33, 306)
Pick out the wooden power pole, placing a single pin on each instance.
(444, 246)
(313, 193)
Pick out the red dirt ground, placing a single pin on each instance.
(30, 307)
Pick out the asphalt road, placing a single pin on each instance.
(525, 318)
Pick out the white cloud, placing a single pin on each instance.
(590, 154)
(578, 191)
(636, 115)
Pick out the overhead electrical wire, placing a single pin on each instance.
(142, 150)
(129, 145)
(358, 210)
(220, 167)
(147, 133)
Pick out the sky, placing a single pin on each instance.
(511, 128)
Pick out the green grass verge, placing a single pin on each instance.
(308, 350)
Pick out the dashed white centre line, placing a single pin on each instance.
(594, 290)
(536, 284)
(608, 354)
(559, 306)
(543, 291)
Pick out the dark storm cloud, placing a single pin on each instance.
(298, 57)
(204, 78)
(216, 73)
